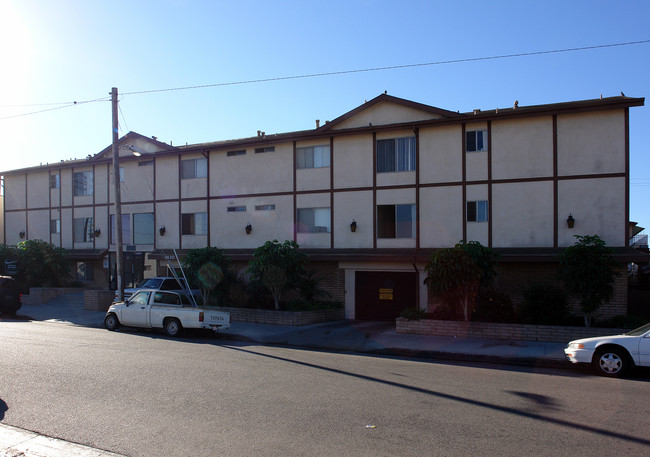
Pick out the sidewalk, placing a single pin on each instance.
(350, 336)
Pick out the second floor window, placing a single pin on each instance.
(82, 183)
(396, 154)
(476, 140)
(313, 157)
(194, 168)
(55, 226)
(55, 181)
(194, 224)
(82, 230)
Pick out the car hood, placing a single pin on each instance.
(593, 341)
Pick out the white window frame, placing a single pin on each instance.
(198, 224)
(313, 157)
(397, 228)
(194, 168)
(480, 213)
(480, 140)
(82, 183)
(314, 220)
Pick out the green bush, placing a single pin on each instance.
(413, 314)
(545, 304)
(494, 306)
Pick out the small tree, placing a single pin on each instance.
(206, 269)
(40, 264)
(588, 269)
(273, 256)
(274, 278)
(453, 276)
(483, 257)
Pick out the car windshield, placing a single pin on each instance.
(151, 283)
(639, 331)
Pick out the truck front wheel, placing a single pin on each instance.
(173, 327)
(111, 322)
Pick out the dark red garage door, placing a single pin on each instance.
(382, 295)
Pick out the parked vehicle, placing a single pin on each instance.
(612, 355)
(168, 310)
(10, 296)
(158, 282)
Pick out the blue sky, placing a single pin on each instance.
(73, 50)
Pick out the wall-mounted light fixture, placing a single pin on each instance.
(162, 230)
(21, 234)
(353, 226)
(570, 222)
(97, 233)
(249, 229)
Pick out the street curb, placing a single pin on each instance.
(422, 354)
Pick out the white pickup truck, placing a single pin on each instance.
(171, 311)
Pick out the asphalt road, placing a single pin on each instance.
(142, 394)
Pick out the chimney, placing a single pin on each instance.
(317, 123)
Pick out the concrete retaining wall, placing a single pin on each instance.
(267, 316)
(493, 331)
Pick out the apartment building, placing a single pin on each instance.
(367, 195)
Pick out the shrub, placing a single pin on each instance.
(413, 313)
(494, 306)
(545, 304)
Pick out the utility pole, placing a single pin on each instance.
(118, 198)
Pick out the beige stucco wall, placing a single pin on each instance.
(441, 216)
(591, 143)
(440, 154)
(522, 148)
(14, 192)
(167, 215)
(228, 228)
(167, 178)
(38, 184)
(522, 214)
(598, 206)
(14, 224)
(476, 163)
(353, 161)
(385, 113)
(252, 173)
(349, 206)
(138, 182)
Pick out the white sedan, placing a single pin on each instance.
(612, 355)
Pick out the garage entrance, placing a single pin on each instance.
(383, 295)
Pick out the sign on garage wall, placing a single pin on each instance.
(385, 294)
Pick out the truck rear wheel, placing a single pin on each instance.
(173, 327)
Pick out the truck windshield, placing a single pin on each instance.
(151, 283)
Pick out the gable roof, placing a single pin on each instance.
(385, 98)
(134, 137)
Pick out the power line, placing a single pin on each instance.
(333, 73)
(393, 67)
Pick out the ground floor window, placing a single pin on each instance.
(396, 221)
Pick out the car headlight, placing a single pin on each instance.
(576, 346)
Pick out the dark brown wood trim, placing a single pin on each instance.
(295, 192)
(155, 203)
(556, 216)
(464, 180)
(26, 207)
(180, 205)
(374, 190)
(489, 173)
(332, 219)
(416, 131)
(627, 177)
(206, 154)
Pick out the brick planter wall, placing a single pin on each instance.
(39, 295)
(487, 330)
(267, 316)
(98, 300)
